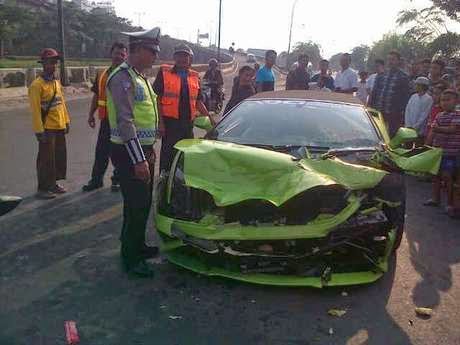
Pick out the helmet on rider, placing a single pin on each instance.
(213, 63)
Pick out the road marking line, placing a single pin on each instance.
(71, 229)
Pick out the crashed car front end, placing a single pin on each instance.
(264, 217)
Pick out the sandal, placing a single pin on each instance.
(58, 189)
(431, 203)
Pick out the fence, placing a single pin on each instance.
(23, 77)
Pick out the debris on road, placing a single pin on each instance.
(175, 317)
(71, 332)
(337, 312)
(424, 311)
(163, 306)
(331, 331)
(344, 294)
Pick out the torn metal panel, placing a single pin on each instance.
(416, 161)
(235, 173)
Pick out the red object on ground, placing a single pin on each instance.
(71, 332)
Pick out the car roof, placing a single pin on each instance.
(334, 97)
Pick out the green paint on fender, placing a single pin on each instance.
(234, 173)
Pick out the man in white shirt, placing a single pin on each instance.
(379, 69)
(346, 80)
(419, 107)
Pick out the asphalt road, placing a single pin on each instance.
(59, 261)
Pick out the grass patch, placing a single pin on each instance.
(30, 62)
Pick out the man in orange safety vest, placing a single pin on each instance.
(119, 54)
(180, 101)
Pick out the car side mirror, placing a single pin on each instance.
(403, 135)
(203, 122)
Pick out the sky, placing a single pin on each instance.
(337, 25)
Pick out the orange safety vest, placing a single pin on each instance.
(102, 95)
(169, 101)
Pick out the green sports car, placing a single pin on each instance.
(291, 188)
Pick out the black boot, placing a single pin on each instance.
(92, 185)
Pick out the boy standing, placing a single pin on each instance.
(362, 93)
(419, 107)
(446, 135)
(243, 89)
(265, 78)
(435, 109)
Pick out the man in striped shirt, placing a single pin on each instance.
(446, 135)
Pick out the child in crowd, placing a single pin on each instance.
(435, 109)
(419, 108)
(243, 88)
(446, 135)
(362, 92)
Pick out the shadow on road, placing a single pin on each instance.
(59, 261)
(434, 242)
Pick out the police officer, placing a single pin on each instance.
(178, 88)
(133, 118)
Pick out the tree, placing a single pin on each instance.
(447, 44)
(359, 56)
(312, 49)
(409, 49)
(334, 62)
(425, 24)
(11, 23)
(430, 27)
(451, 7)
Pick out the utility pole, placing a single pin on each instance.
(220, 26)
(61, 41)
(290, 33)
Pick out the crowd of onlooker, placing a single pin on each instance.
(422, 94)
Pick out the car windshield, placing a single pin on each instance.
(298, 123)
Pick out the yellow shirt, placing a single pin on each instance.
(40, 94)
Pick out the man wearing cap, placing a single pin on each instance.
(50, 123)
(133, 119)
(419, 107)
(178, 87)
(119, 53)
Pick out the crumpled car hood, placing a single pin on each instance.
(234, 173)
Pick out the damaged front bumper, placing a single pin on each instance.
(205, 249)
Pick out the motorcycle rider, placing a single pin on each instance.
(213, 78)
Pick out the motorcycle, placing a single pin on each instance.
(213, 96)
(8, 203)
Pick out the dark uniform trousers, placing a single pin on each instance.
(137, 202)
(175, 130)
(51, 160)
(102, 156)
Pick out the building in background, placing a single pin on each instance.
(99, 7)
